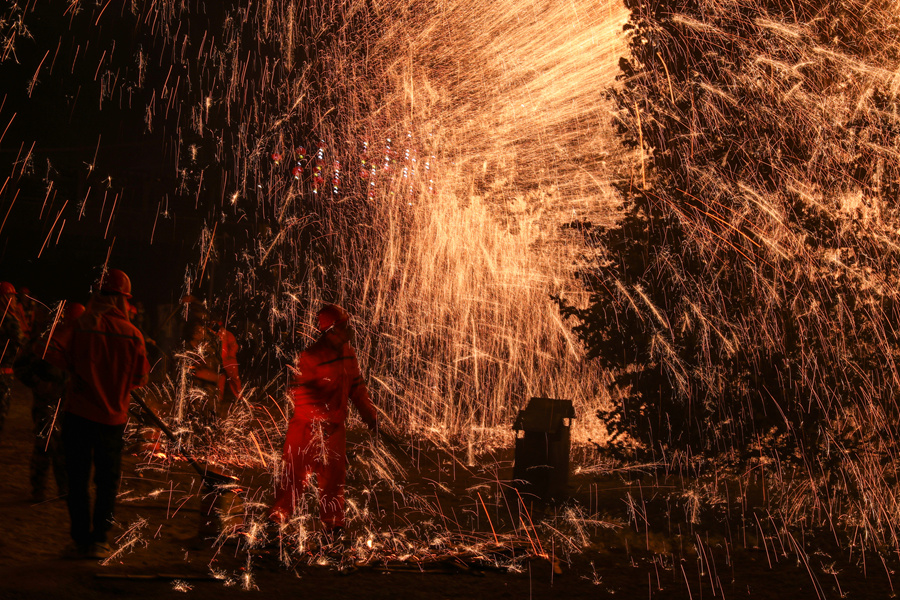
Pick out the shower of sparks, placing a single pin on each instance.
(128, 540)
(420, 165)
(430, 166)
(417, 162)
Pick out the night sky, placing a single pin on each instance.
(93, 155)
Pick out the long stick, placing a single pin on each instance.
(210, 477)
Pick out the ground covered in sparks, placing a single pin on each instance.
(442, 529)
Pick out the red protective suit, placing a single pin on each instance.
(229, 346)
(324, 378)
(26, 320)
(106, 358)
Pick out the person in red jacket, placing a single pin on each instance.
(12, 338)
(47, 390)
(231, 376)
(326, 375)
(105, 357)
(28, 312)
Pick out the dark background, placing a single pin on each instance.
(86, 118)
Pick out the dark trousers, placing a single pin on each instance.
(47, 448)
(5, 397)
(87, 443)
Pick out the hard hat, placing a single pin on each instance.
(331, 315)
(116, 282)
(7, 288)
(73, 311)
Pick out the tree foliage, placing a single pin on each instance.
(749, 290)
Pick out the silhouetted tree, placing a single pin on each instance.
(747, 295)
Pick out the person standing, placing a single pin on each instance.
(326, 375)
(200, 368)
(230, 378)
(105, 357)
(48, 388)
(12, 337)
(27, 313)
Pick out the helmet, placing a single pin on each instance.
(331, 315)
(116, 282)
(73, 311)
(7, 288)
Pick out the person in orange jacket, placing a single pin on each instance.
(28, 313)
(201, 367)
(105, 358)
(326, 375)
(229, 378)
(48, 390)
(12, 338)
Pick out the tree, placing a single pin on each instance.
(748, 291)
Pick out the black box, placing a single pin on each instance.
(541, 465)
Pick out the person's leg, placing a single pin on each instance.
(107, 474)
(58, 461)
(5, 398)
(332, 473)
(77, 440)
(296, 468)
(41, 416)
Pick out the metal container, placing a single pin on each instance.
(541, 465)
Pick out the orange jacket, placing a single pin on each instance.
(12, 335)
(229, 359)
(322, 381)
(105, 357)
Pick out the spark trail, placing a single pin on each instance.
(417, 161)
(421, 165)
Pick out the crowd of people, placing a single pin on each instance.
(82, 363)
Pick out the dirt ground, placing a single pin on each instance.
(618, 537)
